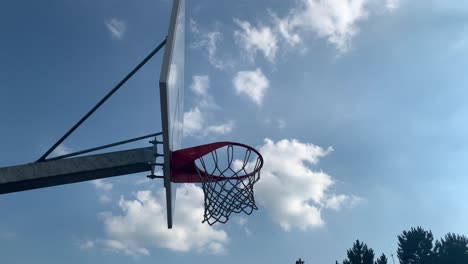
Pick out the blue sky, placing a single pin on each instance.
(358, 107)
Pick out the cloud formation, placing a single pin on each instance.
(104, 189)
(195, 123)
(290, 191)
(200, 84)
(116, 27)
(294, 194)
(221, 129)
(334, 20)
(337, 202)
(141, 225)
(253, 84)
(208, 41)
(254, 39)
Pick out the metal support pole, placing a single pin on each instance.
(105, 146)
(103, 100)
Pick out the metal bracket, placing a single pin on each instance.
(156, 154)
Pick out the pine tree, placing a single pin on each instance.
(415, 246)
(451, 249)
(359, 254)
(381, 260)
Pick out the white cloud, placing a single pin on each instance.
(126, 248)
(200, 87)
(284, 29)
(141, 224)
(194, 125)
(116, 27)
(101, 184)
(200, 84)
(207, 40)
(293, 193)
(256, 39)
(222, 129)
(334, 20)
(193, 122)
(194, 27)
(104, 188)
(194, 119)
(251, 83)
(336, 202)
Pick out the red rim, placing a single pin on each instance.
(184, 169)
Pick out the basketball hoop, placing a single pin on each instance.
(227, 172)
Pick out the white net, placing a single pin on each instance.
(228, 176)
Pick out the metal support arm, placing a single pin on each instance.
(81, 152)
(78, 169)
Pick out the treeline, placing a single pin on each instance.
(415, 246)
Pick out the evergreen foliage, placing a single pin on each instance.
(360, 254)
(381, 260)
(451, 249)
(415, 246)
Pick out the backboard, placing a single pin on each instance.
(171, 88)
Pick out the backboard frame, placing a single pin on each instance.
(164, 82)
